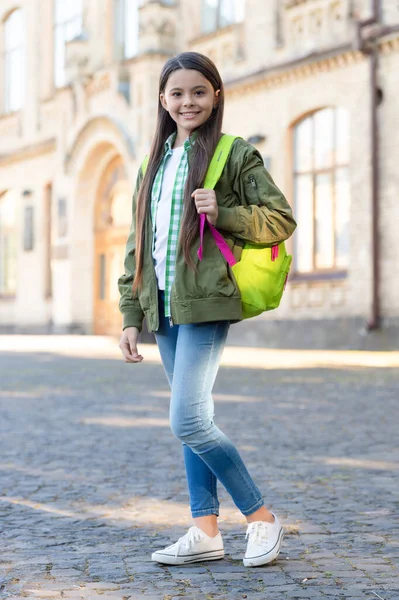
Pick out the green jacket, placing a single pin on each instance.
(251, 208)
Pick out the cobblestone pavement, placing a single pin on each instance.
(92, 480)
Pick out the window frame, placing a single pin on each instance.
(58, 81)
(335, 271)
(8, 71)
(218, 24)
(121, 33)
(7, 233)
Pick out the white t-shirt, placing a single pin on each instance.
(162, 220)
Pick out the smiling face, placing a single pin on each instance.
(189, 98)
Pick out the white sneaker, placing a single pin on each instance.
(195, 546)
(264, 542)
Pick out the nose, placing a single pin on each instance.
(187, 101)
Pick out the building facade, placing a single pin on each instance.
(311, 83)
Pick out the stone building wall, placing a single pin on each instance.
(281, 63)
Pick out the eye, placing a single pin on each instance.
(176, 94)
(200, 92)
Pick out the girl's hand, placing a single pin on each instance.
(205, 202)
(128, 345)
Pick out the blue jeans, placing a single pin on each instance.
(191, 355)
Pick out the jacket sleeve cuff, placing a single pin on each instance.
(227, 219)
(133, 319)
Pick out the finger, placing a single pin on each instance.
(128, 355)
(205, 203)
(125, 348)
(207, 211)
(131, 358)
(134, 360)
(203, 193)
(134, 352)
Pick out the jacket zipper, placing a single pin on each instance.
(153, 276)
(171, 323)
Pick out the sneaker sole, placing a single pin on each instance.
(167, 559)
(265, 559)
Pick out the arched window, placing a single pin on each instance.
(68, 24)
(13, 62)
(221, 13)
(8, 244)
(126, 28)
(322, 191)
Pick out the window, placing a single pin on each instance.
(62, 217)
(322, 191)
(126, 19)
(68, 25)
(29, 228)
(8, 244)
(221, 13)
(13, 62)
(103, 270)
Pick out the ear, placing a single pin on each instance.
(163, 101)
(216, 99)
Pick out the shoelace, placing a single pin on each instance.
(186, 541)
(257, 531)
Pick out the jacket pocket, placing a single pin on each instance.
(251, 190)
(227, 284)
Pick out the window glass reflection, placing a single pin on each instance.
(324, 220)
(342, 136)
(303, 146)
(14, 66)
(221, 13)
(321, 150)
(304, 216)
(324, 138)
(342, 206)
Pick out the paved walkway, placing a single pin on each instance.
(92, 479)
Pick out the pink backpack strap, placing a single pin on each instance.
(274, 253)
(219, 239)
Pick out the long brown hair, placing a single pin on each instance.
(208, 135)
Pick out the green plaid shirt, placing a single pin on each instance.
(175, 212)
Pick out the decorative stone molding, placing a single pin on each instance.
(283, 74)
(77, 58)
(157, 28)
(389, 46)
(107, 123)
(98, 83)
(314, 23)
(28, 152)
(224, 47)
(10, 126)
(305, 68)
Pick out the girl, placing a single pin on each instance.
(190, 304)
